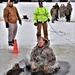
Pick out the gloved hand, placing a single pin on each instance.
(48, 20)
(7, 25)
(20, 22)
(46, 69)
(35, 24)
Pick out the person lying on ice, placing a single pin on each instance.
(42, 58)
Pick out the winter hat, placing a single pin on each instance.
(11, 0)
(40, 2)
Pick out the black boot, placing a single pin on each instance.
(10, 43)
(13, 41)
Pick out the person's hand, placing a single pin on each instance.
(20, 22)
(35, 24)
(7, 25)
(48, 19)
(46, 69)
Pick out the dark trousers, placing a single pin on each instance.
(67, 17)
(39, 27)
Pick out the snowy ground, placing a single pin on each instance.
(62, 44)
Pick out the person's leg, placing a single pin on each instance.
(69, 18)
(45, 31)
(10, 34)
(39, 29)
(53, 18)
(66, 18)
(14, 31)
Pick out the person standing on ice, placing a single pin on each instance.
(53, 12)
(62, 10)
(57, 8)
(41, 16)
(68, 11)
(11, 16)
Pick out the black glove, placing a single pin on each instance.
(48, 20)
(20, 22)
(7, 25)
(35, 24)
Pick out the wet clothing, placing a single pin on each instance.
(41, 16)
(15, 71)
(41, 57)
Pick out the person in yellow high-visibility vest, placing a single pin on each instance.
(41, 16)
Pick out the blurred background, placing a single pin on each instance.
(37, 0)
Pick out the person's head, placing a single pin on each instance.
(69, 2)
(61, 5)
(11, 3)
(40, 3)
(41, 41)
(56, 4)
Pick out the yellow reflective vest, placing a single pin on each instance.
(41, 14)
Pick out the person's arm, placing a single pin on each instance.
(51, 11)
(35, 17)
(47, 14)
(5, 15)
(17, 14)
(20, 22)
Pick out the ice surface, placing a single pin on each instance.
(63, 46)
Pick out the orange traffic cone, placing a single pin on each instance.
(15, 48)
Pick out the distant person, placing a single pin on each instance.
(68, 11)
(43, 59)
(41, 16)
(11, 16)
(53, 13)
(57, 7)
(62, 10)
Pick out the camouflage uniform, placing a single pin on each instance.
(41, 57)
